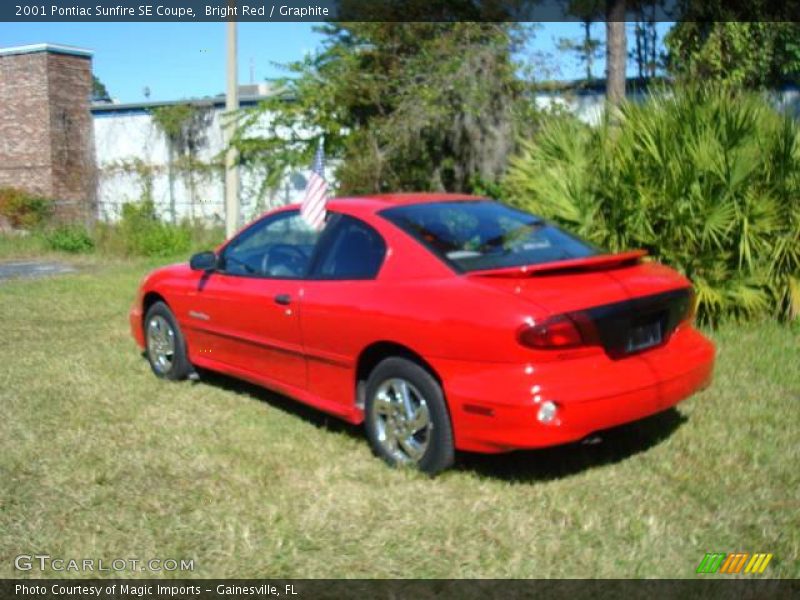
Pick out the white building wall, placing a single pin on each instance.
(125, 139)
(590, 107)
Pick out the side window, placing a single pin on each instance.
(352, 250)
(279, 246)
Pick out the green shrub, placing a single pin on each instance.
(23, 210)
(140, 233)
(705, 179)
(70, 238)
(164, 240)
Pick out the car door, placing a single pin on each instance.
(337, 317)
(247, 310)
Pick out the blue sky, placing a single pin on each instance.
(187, 60)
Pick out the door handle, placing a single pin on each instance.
(283, 299)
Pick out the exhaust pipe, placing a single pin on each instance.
(591, 440)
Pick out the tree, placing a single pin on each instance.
(645, 51)
(99, 91)
(743, 54)
(401, 106)
(588, 48)
(616, 52)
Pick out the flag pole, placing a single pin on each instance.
(321, 149)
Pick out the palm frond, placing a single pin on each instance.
(706, 179)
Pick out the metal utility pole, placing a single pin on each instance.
(231, 106)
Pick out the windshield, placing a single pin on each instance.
(481, 234)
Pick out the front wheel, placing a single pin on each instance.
(406, 417)
(166, 348)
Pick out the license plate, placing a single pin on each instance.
(644, 336)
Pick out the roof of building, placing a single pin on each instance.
(249, 95)
(107, 108)
(52, 48)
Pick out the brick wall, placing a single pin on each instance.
(46, 132)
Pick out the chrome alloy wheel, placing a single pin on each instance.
(160, 343)
(401, 420)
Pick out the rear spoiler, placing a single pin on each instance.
(572, 265)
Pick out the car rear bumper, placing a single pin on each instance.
(494, 406)
(135, 319)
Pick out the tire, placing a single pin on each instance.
(407, 420)
(166, 348)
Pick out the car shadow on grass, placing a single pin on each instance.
(604, 448)
(284, 403)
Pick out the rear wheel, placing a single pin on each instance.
(166, 348)
(406, 416)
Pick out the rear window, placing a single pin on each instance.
(481, 234)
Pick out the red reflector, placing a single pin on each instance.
(556, 332)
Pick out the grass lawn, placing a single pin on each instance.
(99, 459)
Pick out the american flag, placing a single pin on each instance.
(316, 195)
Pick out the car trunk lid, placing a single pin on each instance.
(617, 301)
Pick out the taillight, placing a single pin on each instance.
(555, 333)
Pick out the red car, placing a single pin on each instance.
(442, 321)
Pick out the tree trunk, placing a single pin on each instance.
(589, 49)
(653, 41)
(641, 49)
(616, 52)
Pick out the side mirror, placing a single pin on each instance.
(203, 261)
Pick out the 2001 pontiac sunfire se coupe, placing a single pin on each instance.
(443, 321)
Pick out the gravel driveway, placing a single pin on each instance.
(32, 269)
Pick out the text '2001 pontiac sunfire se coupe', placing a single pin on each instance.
(441, 321)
